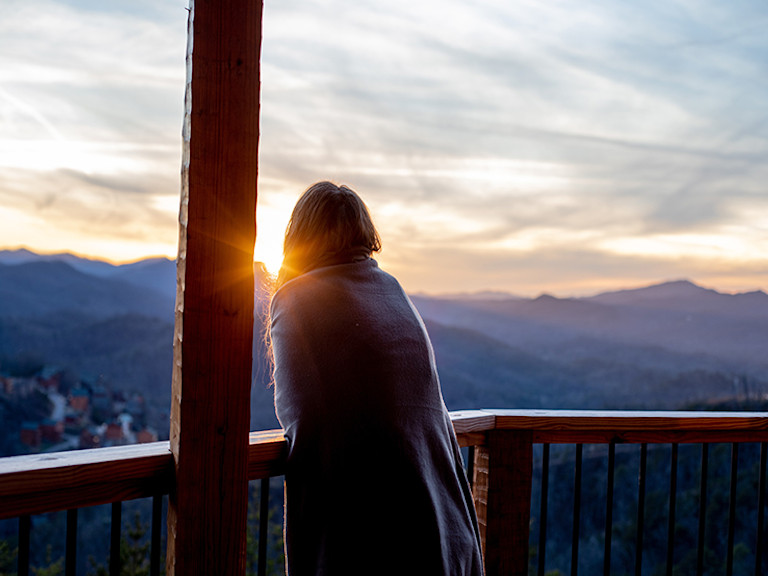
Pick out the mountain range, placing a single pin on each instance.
(663, 346)
(667, 346)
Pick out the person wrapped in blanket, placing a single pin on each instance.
(374, 478)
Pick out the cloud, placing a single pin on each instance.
(103, 205)
(90, 119)
(495, 137)
(68, 60)
(531, 126)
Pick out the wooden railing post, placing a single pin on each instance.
(502, 492)
(210, 402)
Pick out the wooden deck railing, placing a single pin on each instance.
(503, 461)
(503, 470)
(40, 483)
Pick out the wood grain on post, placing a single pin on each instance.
(502, 493)
(214, 304)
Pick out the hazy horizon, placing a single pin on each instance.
(491, 293)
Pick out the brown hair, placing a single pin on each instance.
(330, 224)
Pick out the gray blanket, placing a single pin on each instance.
(374, 479)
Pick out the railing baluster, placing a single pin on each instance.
(702, 508)
(70, 562)
(576, 510)
(471, 466)
(672, 506)
(114, 539)
(641, 478)
(543, 508)
(263, 525)
(154, 551)
(22, 560)
(760, 510)
(732, 509)
(609, 509)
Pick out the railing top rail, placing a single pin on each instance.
(628, 420)
(598, 426)
(48, 482)
(57, 481)
(466, 421)
(266, 454)
(49, 464)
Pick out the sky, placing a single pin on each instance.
(528, 147)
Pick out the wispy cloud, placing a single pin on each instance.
(500, 145)
(90, 116)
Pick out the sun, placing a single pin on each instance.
(269, 241)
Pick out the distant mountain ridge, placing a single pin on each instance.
(667, 345)
(37, 288)
(153, 270)
(685, 295)
(662, 346)
(157, 273)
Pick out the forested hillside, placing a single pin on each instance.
(667, 346)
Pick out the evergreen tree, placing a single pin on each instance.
(7, 559)
(51, 568)
(134, 552)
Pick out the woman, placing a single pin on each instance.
(374, 479)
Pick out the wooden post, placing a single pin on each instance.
(502, 492)
(214, 303)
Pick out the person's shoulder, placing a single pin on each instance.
(291, 293)
(316, 283)
(384, 279)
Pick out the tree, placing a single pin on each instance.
(7, 559)
(134, 552)
(51, 568)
